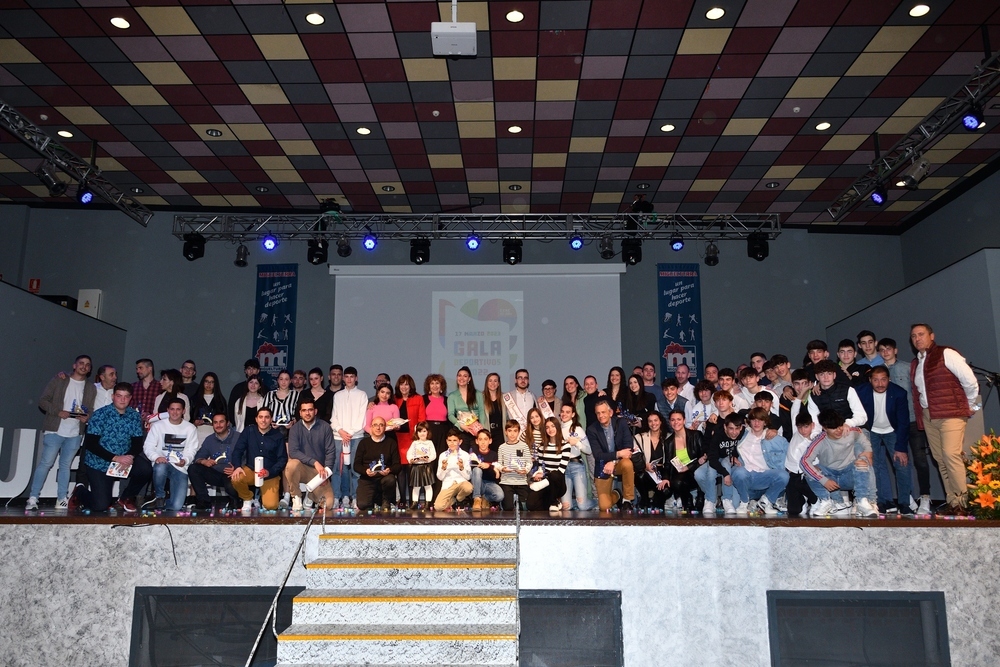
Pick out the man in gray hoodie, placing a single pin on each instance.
(840, 458)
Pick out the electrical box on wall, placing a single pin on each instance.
(453, 39)
(89, 302)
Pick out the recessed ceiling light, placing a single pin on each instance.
(919, 10)
(772, 184)
(212, 132)
(261, 188)
(119, 22)
(514, 187)
(514, 129)
(388, 188)
(667, 128)
(715, 13)
(643, 186)
(65, 134)
(364, 131)
(137, 190)
(823, 126)
(515, 16)
(315, 19)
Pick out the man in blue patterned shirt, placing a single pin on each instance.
(114, 438)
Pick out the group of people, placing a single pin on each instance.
(762, 437)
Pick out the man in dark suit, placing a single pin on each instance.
(611, 444)
(888, 428)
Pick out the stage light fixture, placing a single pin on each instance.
(576, 242)
(512, 251)
(84, 194)
(242, 255)
(631, 251)
(194, 246)
(318, 251)
(879, 195)
(607, 247)
(712, 255)
(757, 246)
(369, 242)
(472, 242)
(677, 243)
(343, 247)
(269, 242)
(916, 172)
(972, 120)
(420, 251)
(47, 174)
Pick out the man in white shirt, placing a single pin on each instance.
(348, 423)
(454, 471)
(685, 388)
(68, 402)
(107, 378)
(171, 445)
(945, 395)
(727, 382)
(520, 400)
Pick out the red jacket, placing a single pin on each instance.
(945, 396)
(415, 414)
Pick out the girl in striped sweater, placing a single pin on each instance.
(553, 454)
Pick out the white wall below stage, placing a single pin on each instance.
(691, 595)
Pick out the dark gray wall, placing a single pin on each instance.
(174, 309)
(955, 231)
(41, 339)
(13, 236)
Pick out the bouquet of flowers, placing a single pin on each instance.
(984, 478)
(470, 422)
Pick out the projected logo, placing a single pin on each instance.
(676, 354)
(481, 330)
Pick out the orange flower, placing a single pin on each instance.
(983, 480)
(986, 500)
(986, 448)
(976, 467)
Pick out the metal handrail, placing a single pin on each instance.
(272, 614)
(517, 574)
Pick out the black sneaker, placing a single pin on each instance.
(903, 509)
(627, 506)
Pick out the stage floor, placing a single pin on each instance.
(13, 514)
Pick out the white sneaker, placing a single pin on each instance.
(555, 508)
(842, 509)
(283, 503)
(308, 503)
(806, 509)
(727, 506)
(709, 508)
(864, 509)
(822, 508)
(297, 504)
(743, 509)
(913, 504)
(32, 503)
(767, 507)
(62, 504)
(247, 507)
(354, 504)
(345, 502)
(924, 509)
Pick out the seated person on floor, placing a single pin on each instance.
(171, 444)
(312, 450)
(213, 463)
(761, 465)
(486, 489)
(840, 459)
(268, 443)
(454, 471)
(377, 462)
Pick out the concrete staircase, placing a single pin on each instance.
(409, 599)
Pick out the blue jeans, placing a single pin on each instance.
(705, 476)
(883, 446)
(489, 490)
(178, 484)
(575, 497)
(54, 445)
(348, 485)
(861, 478)
(773, 482)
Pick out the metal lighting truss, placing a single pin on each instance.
(975, 90)
(76, 167)
(538, 227)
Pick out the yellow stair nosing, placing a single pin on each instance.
(293, 638)
(405, 598)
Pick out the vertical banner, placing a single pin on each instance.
(481, 330)
(679, 297)
(274, 318)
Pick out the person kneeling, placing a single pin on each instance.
(259, 441)
(485, 489)
(840, 458)
(454, 472)
(377, 461)
(213, 463)
(171, 445)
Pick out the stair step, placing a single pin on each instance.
(399, 644)
(409, 574)
(403, 607)
(418, 545)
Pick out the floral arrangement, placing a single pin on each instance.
(984, 478)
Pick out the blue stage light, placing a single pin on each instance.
(676, 243)
(972, 120)
(269, 242)
(84, 194)
(879, 195)
(576, 243)
(369, 242)
(472, 242)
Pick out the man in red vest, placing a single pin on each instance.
(945, 393)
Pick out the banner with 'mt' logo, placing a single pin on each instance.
(274, 318)
(679, 296)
